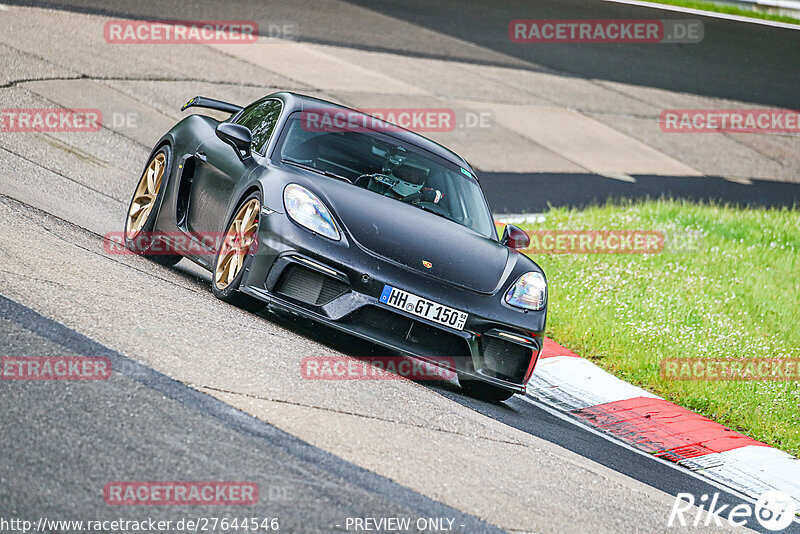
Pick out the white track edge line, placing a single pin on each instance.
(712, 14)
(564, 417)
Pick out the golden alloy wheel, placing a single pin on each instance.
(238, 240)
(145, 197)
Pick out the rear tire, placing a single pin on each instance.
(241, 232)
(141, 218)
(483, 391)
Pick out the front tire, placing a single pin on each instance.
(141, 219)
(240, 237)
(483, 391)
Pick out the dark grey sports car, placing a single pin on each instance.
(352, 222)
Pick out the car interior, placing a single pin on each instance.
(381, 164)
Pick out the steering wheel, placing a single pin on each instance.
(363, 180)
(377, 178)
(413, 198)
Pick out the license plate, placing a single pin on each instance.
(422, 307)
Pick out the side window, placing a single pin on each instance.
(261, 118)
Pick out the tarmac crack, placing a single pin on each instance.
(37, 164)
(21, 81)
(354, 414)
(29, 277)
(755, 149)
(29, 54)
(4, 198)
(20, 85)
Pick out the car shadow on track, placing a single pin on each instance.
(343, 342)
(352, 346)
(537, 192)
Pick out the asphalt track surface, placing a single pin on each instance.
(747, 62)
(60, 443)
(69, 445)
(522, 192)
(70, 439)
(752, 63)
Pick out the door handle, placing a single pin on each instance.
(201, 156)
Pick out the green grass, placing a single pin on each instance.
(733, 293)
(729, 9)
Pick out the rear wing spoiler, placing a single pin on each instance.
(210, 103)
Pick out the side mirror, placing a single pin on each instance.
(515, 237)
(238, 136)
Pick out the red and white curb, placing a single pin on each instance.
(649, 423)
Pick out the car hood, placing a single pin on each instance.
(414, 238)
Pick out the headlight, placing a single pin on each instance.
(307, 210)
(529, 292)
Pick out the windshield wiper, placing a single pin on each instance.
(314, 169)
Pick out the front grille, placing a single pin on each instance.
(507, 360)
(431, 341)
(309, 287)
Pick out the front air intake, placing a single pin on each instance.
(506, 359)
(309, 286)
(427, 340)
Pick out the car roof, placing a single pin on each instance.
(297, 102)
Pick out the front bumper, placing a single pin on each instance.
(339, 284)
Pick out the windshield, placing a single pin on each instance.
(389, 167)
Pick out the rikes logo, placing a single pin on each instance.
(427, 264)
